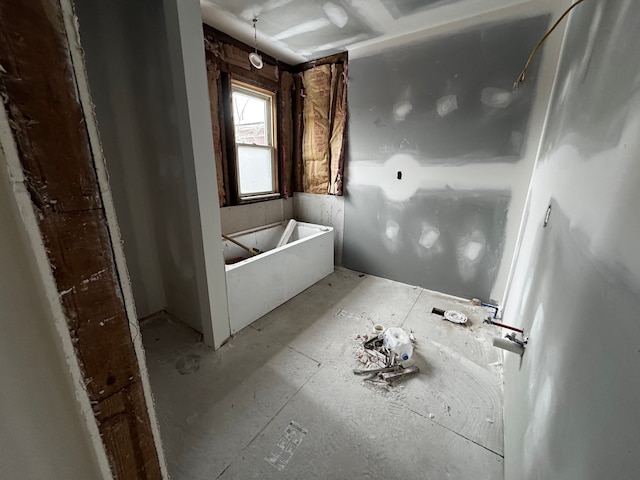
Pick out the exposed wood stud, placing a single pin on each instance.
(50, 134)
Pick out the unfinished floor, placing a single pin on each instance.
(280, 401)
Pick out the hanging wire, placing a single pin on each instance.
(254, 57)
(255, 35)
(523, 75)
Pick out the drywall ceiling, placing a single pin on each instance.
(296, 31)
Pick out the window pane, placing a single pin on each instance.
(255, 170)
(250, 119)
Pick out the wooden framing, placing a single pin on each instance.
(227, 59)
(38, 85)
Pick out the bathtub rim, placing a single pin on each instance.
(322, 229)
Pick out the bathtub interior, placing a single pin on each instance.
(260, 283)
(264, 239)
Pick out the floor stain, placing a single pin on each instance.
(190, 363)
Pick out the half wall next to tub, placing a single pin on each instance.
(145, 64)
(258, 284)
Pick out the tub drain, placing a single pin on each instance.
(455, 316)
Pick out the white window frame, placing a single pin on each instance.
(270, 133)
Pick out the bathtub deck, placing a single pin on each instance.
(223, 414)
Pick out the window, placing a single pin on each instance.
(256, 160)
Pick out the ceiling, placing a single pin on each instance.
(296, 31)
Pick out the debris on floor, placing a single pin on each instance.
(386, 355)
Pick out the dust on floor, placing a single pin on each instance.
(280, 399)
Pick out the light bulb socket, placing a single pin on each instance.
(256, 60)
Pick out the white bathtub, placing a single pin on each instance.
(260, 283)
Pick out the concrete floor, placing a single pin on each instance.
(279, 400)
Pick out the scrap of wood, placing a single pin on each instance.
(382, 357)
(403, 372)
(365, 371)
(286, 235)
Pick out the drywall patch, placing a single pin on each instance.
(401, 110)
(283, 451)
(446, 105)
(496, 97)
(402, 8)
(470, 250)
(336, 14)
(429, 236)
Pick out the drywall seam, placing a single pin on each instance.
(495, 176)
(82, 85)
(219, 18)
(380, 44)
(557, 48)
(30, 223)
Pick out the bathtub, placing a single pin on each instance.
(258, 284)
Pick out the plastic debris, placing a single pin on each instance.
(385, 361)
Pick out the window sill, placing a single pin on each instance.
(259, 198)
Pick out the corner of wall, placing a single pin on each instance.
(322, 210)
(186, 43)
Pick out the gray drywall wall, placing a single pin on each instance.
(571, 404)
(439, 153)
(126, 65)
(455, 239)
(322, 210)
(141, 75)
(43, 433)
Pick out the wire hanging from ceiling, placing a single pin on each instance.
(254, 57)
(523, 75)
